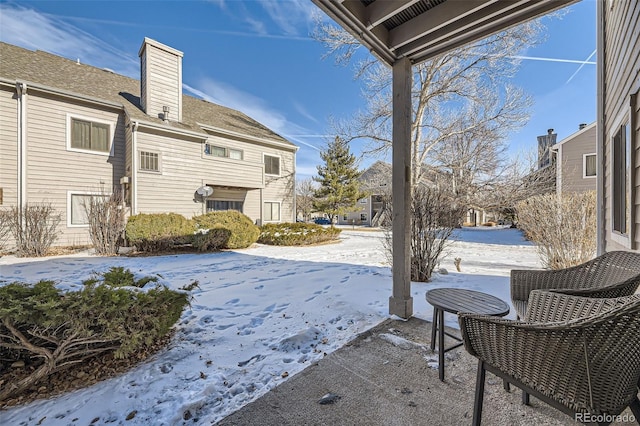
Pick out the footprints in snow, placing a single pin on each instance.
(325, 290)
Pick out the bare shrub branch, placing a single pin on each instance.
(5, 228)
(563, 227)
(434, 217)
(106, 216)
(34, 228)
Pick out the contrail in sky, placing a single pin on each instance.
(580, 67)
(571, 61)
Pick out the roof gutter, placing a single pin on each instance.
(271, 142)
(164, 128)
(63, 93)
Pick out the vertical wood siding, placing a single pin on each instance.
(621, 68)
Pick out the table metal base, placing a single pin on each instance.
(438, 327)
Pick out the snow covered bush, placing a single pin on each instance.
(296, 234)
(243, 232)
(562, 227)
(160, 231)
(50, 329)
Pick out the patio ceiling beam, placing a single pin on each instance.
(467, 30)
(442, 16)
(344, 11)
(380, 11)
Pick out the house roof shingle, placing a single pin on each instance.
(46, 69)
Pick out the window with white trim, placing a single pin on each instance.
(271, 211)
(589, 166)
(218, 205)
(149, 161)
(78, 205)
(620, 175)
(271, 165)
(221, 151)
(89, 135)
(235, 154)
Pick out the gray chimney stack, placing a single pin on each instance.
(160, 80)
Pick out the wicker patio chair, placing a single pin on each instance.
(579, 355)
(613, 274)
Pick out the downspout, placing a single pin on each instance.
(633, 122)
(21, 90)
(295, 201)
(134, 168)
(600, 182)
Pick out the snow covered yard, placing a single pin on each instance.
(260, 315)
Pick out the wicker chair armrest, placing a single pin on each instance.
(620, 289)
(484, 335)
(551, 306)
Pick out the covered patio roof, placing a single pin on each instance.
(422, 29)
(402, 33)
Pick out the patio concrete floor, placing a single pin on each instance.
(383, 377)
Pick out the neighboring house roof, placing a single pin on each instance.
(573, 135)
(18, 64)
(378, 174)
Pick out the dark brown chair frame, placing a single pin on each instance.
(593, 340)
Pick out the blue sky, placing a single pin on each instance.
(258, 57)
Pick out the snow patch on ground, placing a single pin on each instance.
(259, 316)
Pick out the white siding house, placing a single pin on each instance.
(69, 130)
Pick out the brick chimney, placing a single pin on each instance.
(160, 80)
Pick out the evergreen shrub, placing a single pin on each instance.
(51, 329)
(212, 239)
(159, 231)
(242, 231)
(296, 234)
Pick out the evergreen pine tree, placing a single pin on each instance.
(339, 190)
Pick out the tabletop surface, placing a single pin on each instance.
(456, 300)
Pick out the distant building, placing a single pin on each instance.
(545, 142)
(576, 160)
(69, 130)
(376, 181)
